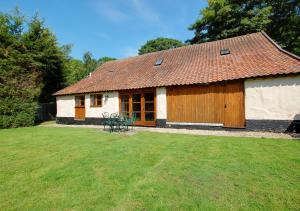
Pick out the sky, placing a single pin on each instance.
(114, 28)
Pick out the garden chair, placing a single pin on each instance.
(114, 121)
(130, 121)
(106, 120)
(123, 122)
(133, 120)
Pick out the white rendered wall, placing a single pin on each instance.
(65, 106)
(273, 98)
(110, 105)
(161, 103)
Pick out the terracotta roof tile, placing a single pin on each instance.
(252, 55)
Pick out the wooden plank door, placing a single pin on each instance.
(80, 107)
(234, 110)
(195, 104)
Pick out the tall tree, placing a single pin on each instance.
(285, 24)
(104, 59)
(30, 68)
(159, 44)
(76, 69)
(41, 45)
(73, 71)
(89, 63)
(20, 78)
(228, 18)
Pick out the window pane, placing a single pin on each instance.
(125, 107)
(125, 98)
(79, 101)
(149, 97)
(149, 116)
(136, 106)
(92, 100)
(138, 115)
(96, 100)
(99, 100)
(76, 101)
(136, 98)
(125, 104)
(149, 106)
(82, 100)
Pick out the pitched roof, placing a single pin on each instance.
(252, 55)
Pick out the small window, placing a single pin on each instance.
(224, 51)
(96, 100)
(158, 62)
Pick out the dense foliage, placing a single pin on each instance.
(228, 18)
(76, 70)
(31, 68)
(159, 44)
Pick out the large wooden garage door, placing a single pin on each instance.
(207, 104)
(196, 104)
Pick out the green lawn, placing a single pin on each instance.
(75, 168)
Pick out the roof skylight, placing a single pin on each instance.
(159, 62)
(224, 51)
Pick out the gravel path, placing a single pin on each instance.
(186, 131)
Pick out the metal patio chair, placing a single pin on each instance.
(114, 122)
(130, 121)
(106, 120)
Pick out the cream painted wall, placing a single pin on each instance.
(110, 105)
(273, 98)
(65, 106)
(161, 103)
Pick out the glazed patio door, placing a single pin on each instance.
(141, 104)
(137, 107)
(149, 108)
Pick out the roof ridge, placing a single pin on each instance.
(172, 49)
(279, 47)
(252, 56)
